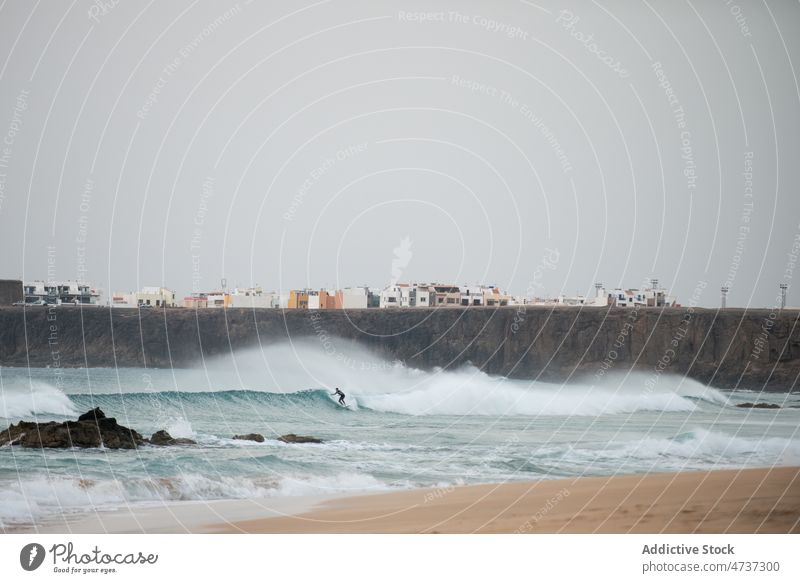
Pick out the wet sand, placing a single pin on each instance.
(726, 501)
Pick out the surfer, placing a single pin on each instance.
(341, 397)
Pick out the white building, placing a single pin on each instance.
(600, 300)
(619, 297)
(577, 300)
(419, 296)
(157, 297)
(60, 292)
(280, 300)
(152, 297)
(314, 300)
(354, 298)
(472, 295)
(262, 301)
(403, 295)
(391, 297)
(425, 295)
(646, 298)
(251, 297)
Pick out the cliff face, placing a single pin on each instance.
(753, 349)
(10, 291)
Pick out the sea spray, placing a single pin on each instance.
(31, 398)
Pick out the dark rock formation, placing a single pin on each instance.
(759, 405)
(94, 431)
(164, 438)
(292, 438)
(160, 438)
(11, 435)
(251, 437)
(94, 415)
(749, 349)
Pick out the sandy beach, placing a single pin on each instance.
(725, 501)
(729, 501)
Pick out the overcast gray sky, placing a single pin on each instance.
(331, 143)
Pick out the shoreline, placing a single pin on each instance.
(173, 516)
(758, 500)
(753, 500)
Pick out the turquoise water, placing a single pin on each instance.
(403, 428)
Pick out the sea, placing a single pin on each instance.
(402, 428)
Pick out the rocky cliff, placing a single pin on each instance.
(751, 349)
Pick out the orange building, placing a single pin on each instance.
(332, 301)
(326, 300)
(298, 300)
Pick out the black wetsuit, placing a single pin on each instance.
(341, 396)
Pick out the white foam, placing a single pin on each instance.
(698, 448)
(14, 508)
(701, 444)
(28, 399)
(392, 387)
(471, 392)
(320, 486)
(180, 427)
(27, 500)
(32, 497)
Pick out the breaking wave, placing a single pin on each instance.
(302, 376)
(34, 398)
(466, 392)
(455, 394)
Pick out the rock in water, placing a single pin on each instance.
(292, 438)
(759, 405)
(13, 433)
(160, 438)
(164, 438)
(94, 415)
(251, 437)
(93, 429)
(115, 436)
